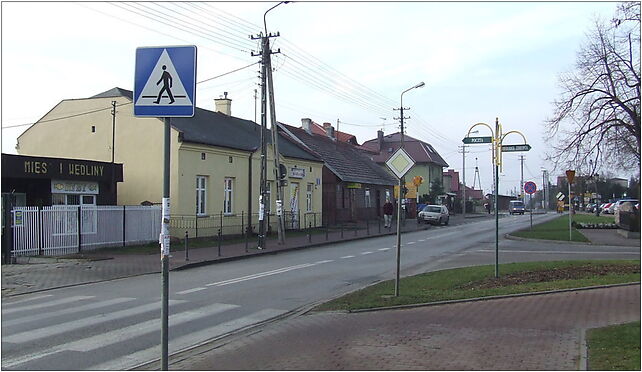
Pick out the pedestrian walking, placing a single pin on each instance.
(388, 209)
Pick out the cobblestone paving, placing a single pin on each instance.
(521, 333)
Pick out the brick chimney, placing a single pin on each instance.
(224, 105)
(380, 139)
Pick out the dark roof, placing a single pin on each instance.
(346, 161)
(115, 92)
(420, 151)
(217, 129)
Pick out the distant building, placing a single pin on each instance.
(354, 187)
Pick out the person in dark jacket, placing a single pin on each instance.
(388, 209)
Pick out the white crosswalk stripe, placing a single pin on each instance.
(62, 301)
(78, 309)
(76, 324)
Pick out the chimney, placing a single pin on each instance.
(326, 125)
(329, 131)
(380, 139)
(306, 124)
(224, 105)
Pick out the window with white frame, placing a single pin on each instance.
(367, 198)
(201, 195)
(228, 189)
(308, 198)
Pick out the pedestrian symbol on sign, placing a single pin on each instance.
(166, 78)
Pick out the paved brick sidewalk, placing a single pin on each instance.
(540, 332)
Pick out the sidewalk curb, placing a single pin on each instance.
(269, 252)
(476, 299)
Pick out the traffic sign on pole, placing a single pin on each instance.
(515, 148)
(530, 187)
(165, 81)
(475, 140)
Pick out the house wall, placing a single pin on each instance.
(429, 172)
(138, 144)
(139, 147)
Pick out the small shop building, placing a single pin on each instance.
(45, 181)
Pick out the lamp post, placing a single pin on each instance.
(401, 182)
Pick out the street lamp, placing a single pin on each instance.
(401, 182)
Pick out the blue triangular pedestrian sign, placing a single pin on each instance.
(165, 81)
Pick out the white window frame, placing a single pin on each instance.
(228, 195)
(308, 197)
(201, 195)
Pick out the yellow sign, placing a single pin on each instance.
(417, 180)
(412, 191)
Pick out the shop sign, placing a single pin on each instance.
(353, 185)
(17, 218)
(74, 187)
(297, 172)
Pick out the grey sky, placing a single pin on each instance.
(479, 60)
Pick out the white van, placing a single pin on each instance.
(516, 206)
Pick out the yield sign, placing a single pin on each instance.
(165, 81)
(400, 163)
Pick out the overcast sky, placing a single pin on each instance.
(338, 61)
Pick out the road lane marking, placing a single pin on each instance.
(259, 275)
(119, 335)
(322, 262)
(365, 253)
(383, 249)
(347, 257)
(46, 304)
(187, 341)
(422, 240)
(410, 243)
(92, 306)
(76, 324)
(191, 290)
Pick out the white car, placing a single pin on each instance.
(434, 214)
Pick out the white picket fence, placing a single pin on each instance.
(52, 231)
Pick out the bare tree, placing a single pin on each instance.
(596, 121)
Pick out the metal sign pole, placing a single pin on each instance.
(165, 248)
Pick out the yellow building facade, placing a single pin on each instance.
(215, 161)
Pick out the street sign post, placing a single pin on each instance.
(165, 87)
(515, 148)
(165, 81)
(475, 140)
(530, 188)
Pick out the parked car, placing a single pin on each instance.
(434, 214)
(516, 206)
(590, 207)
(606, 209)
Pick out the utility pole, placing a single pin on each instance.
(463, 180)
(113, 129)
(521, 180)
(267, 87)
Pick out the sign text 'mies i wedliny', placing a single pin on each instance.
(42, 167)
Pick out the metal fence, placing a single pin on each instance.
(65, 229)
(237, 224)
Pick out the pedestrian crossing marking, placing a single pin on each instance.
(61, 301)
(25, 300)
(188, 341)
(67, 311)
(112, 337)
(73, 325)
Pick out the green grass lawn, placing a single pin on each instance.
(614, 348)
(557, 229)
(479, 281)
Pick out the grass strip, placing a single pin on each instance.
(556, 229)
(614, 348)
(479, 281)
